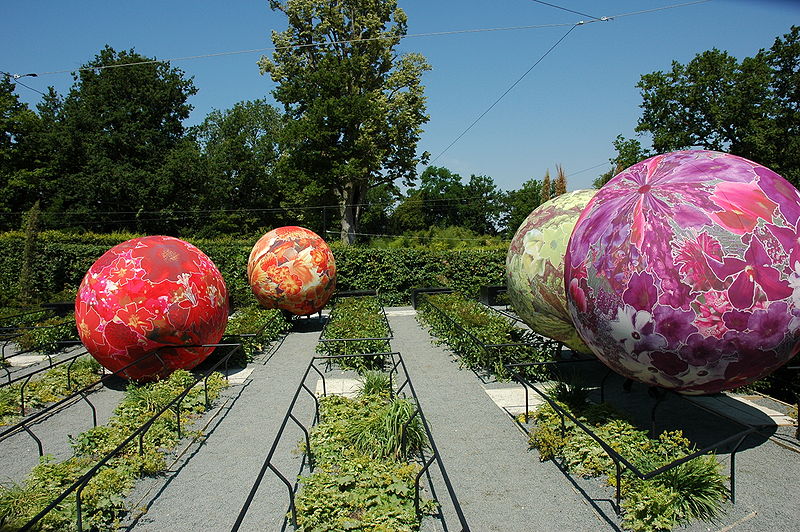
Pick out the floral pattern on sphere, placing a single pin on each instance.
(292, 268)
(535, 268)
(684, 272)
(151, 294)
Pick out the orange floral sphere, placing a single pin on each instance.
(150, 294)
(292, 268)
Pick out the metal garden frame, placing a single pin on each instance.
(397, 363)
(326, 342)
(620, 462)
(492, 351)
(79, 485)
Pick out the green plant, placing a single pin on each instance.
(266, 324)
(362, 480)
(468, 326)
(45, 336)
(384, 433)
(692, 490)
(374, 383)
(52, 386)
(62, 259)
(356, 326)
(102, 499)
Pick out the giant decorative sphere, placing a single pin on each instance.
(684, 272)
(292, 268)
(535, 268)
(148, 294)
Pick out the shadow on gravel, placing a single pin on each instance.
(593, 502)
(308, 324)
(148, 498)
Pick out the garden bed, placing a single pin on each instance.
(366, 460)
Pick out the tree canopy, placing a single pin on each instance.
(749, 108)
(355, 107)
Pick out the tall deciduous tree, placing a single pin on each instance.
(749, 108)
(520, 203)
(356, 108)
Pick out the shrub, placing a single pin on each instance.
(50, 387)
(102, 500)
(266, 324)
(62, 259)
(357, 487)
(45, 336)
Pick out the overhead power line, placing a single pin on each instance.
(564, 9)
(352, 41)
(504, 94)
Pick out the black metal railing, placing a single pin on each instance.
(496, 355)
(620, 462)
(175, 405)
(354, 346)
(403, 382)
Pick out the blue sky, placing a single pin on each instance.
(566, 111)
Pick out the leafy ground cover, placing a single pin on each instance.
(694, 490)
(363, 479)
(45, 336)
(52, 386)
(467, 327)
(102, 499)
(266, 324)
(356, 318)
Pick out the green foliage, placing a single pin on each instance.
(361, 482)
(52, 386)
(520, 203)
(45, 335)
(103, 498)
(748, 108)
(356, 107)
(63, 259)
(693, 490)
(356, 317)
(266, 324)
(487, 326)
(374, 383)
(439, 239)
(629, 152)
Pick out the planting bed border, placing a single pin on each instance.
(397, 363)
(422, 299)
(174, 404)
(620, 462)
(332, 341)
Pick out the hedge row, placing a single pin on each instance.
(61, 260)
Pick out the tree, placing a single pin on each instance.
(749, 108)
(355, 107)
(18, 128)
(240, 151)
(117, 126)
(560, 185)
(520, 203)
(629, 152)
(546, 187)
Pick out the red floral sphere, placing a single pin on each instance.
(149, 294)
(292, 268)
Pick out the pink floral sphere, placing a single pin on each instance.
(684, 272)
(151, 294)
(292, 268)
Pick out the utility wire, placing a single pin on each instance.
(565, 9)
(505, 93)
(309, 45)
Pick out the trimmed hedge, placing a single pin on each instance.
(62, 259)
